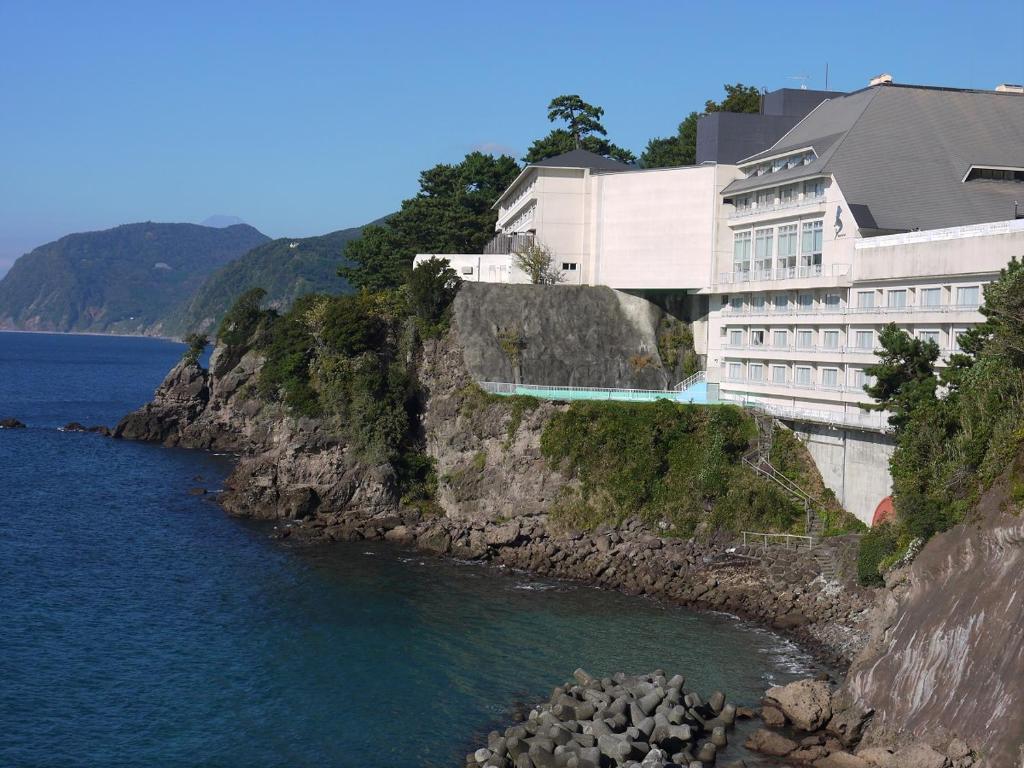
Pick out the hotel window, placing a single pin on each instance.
(757, 302)
(741, 252)
(805, 339)
(805, 301)
(968, 296)
(935, 336)
(736, 338)
(743, 203)
(788, 193)
(931, 297)
(778, 164)
(957, 333)
(808, 158)
(897, 299)
(802, 375)
(865, 339)
(833, 301)
(830, 339)
(736, 303)
(764, 198)
(787, 246)
(763, 251)
(810, 244)
(736, 371)
(814, 189)
(568, 266)
(857, 378)
(780, 302)
(757, 338)
(755, 372)
(865, 299)
(830, 378)
(780, 339)
(778, 374)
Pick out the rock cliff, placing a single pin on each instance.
(945, 662)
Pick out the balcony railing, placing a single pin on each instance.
(857, 389)
(771, 309)
(502, 244)
(783, 273)
(810, 348)
(873, 420)
(742, 213)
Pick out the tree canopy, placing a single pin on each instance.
(904, 376)
(681, 149)
(583, 131)
(451, 213)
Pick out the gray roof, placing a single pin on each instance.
(900, 153)
(581, 158)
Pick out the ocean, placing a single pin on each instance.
(142, 626)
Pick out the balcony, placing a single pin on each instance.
(803, 202)
(503, 245)
(876, 421)
(783, 273)
(923, 312)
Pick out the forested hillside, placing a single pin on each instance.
(121, 280)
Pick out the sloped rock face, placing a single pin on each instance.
(288, 468)
(807, 703)
(574, 335)
(487, 454)
(945, 657)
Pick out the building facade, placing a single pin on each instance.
(891, 204)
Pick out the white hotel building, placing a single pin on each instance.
(891, 204)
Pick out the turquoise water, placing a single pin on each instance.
(141, 626)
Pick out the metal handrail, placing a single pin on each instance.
(689, 381)
(506, 388)
(789, 540)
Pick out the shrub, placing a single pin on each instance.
(433, 286)
(243, 318)
(877, 545)
(196, 342)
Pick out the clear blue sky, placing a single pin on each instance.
(305, 117)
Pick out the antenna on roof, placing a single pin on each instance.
(803, 80)
(826, 75)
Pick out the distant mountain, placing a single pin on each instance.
(286, 269)
(122, 280)
(219, 221)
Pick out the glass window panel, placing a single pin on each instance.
(735, 371)
(968, 296)
(779, 374)
(741, 252)
(736, 337)
(755, 372)
(865, 299)
(897, 298)
(780, 301)
(780, 339)
(931, 297)
(757, 338)
(864, 339)
(805, 339)
(802, 375)
(830, 339)
(830, 377)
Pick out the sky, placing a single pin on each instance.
(304, 117)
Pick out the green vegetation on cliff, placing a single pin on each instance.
(128, 279)
(349, 360)
(952, 444)
(676, 466)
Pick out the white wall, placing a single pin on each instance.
(655, 229)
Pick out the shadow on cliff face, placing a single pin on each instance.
(946, 658)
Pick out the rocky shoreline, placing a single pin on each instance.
(780, 589)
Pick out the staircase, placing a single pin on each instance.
(827, 564)
(759, 460)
